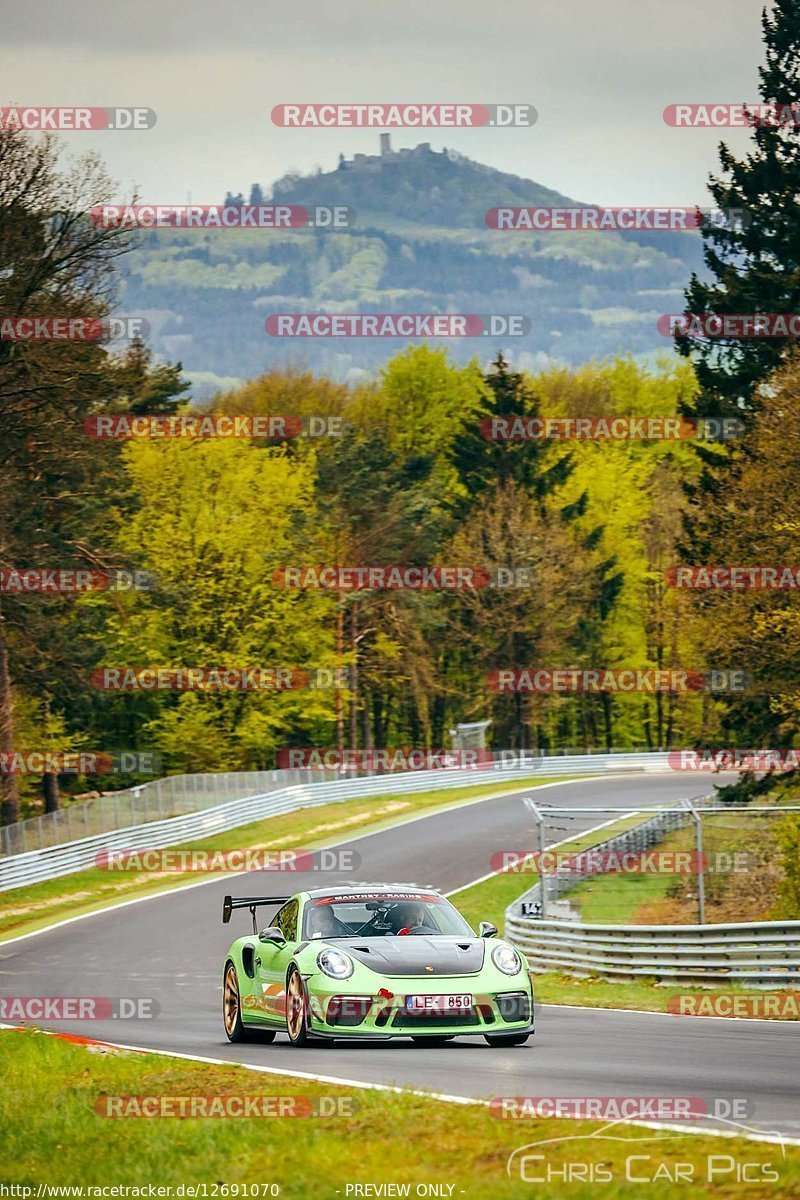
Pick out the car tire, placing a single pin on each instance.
(506, 1039)
(235, 1029)
(433, 1041)
(296, 1008)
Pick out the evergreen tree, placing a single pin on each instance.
(755, 264)
(483, 461)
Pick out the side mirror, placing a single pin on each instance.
(272, 934)
(487, 929)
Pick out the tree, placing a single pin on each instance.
(755, 264)
(511, 626)
(752, 518)
(139, 387)
(53, 262)
(213, 520)
(484, 462)
(62, 487)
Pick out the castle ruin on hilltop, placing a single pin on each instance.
(361, 163)
(374, 162)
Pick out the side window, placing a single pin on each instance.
(286, 920)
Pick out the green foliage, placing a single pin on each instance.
(755, 263)
(788, 835)
(212, 520)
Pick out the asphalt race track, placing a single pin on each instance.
(171, 948)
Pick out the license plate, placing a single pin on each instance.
(438, 1004)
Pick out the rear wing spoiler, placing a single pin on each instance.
(229, 903)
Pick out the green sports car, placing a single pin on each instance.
(378, 961)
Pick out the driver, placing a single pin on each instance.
(324, 924)
(409, 917)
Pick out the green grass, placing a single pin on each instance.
(645, 994)
(26, 909)
(52, 1134)
(489, 899)
(613, 899)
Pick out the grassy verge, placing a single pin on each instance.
(26, 909)
(650, 996)
(54, 1135)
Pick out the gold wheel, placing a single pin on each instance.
(230, 1001)
(295, 1007)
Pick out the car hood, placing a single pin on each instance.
(417, 955)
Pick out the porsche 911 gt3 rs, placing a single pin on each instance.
(366, 962)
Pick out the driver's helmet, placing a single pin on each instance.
(406, 915)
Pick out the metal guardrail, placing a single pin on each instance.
(160, 799)
(282, 792)
(156, 800)
(766, 953)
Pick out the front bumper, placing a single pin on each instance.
(336, 1012)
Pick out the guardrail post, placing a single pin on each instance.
(539, 819)
(701, 867)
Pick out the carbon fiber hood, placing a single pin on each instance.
(417, 955)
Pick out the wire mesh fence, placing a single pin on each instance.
(157, 800)
(178, 795)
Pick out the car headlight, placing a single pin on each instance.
(506, 960)
(335, 964)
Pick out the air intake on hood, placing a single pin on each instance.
(419, 955)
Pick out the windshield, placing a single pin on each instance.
(383, 916)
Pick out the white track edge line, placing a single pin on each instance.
(774, 1138)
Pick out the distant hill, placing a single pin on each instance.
(419, 244)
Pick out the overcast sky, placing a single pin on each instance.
(599, 74)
